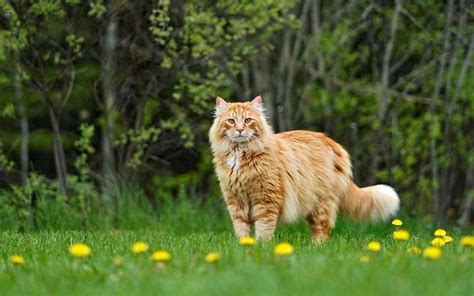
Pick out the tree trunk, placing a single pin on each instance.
(246, 94)
(59, 156)
(25, 134)
(293, 66)
(467, 205)
(433, 143)
(108, 70)
(448, 172)
(261, 77)
(280, 81)
(384, 84)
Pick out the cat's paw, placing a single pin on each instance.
(264, 236)
(240, 235)
(319, 240)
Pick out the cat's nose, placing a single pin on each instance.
(240, 130)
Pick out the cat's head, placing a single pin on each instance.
(239, 123)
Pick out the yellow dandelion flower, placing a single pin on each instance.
(139, 247)
(414, 250)
(283, 249)
(438, 242)
(117, 261)
(467, 241)
(432, 253)
(247, 241)
(17, 260)
(397, 222)
(374, 246)
(213, 257)
(440, 232)
(364, 258)
(79, 250)
(161, 256)
(447, 239)
(401, 235)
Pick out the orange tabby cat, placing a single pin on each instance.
(266, 177)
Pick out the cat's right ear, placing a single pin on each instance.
(221, 106)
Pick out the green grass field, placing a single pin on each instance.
(334, 268)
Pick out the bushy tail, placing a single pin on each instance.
(373, 203)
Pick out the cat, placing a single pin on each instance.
(266, 177)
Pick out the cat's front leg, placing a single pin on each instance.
(265, 215)
(239, 213)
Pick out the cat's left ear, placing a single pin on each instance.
(257, 103)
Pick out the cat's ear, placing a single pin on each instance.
(221, 106)
(257, 103)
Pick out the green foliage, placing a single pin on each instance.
(8, 111)
(47, 8)
(97, 9)
(140, 139)
(160, 23)
(83, 144)
(170, 190)
(14, 37)
(348, 94)
(75, 42)
(26, 206)
(39, 205)
(5, 163)
(211, 32)
(170, 62)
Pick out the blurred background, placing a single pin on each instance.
(105, 106)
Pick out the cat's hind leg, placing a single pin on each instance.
(321, 220)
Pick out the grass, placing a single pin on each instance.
(330, 269)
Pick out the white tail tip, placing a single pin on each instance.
(386, 202)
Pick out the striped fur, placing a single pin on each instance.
(267, 177)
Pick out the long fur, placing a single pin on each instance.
(266, 177)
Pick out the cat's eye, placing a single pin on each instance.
(231, 121)
(248, 120)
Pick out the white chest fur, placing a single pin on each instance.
(234, 160)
